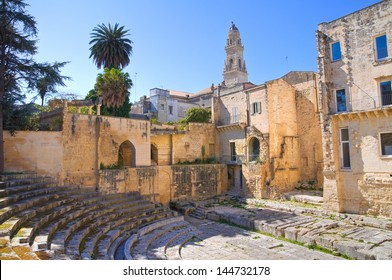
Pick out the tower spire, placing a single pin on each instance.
(234, 71)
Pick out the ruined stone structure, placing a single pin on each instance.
(268, 134)
(88, 145)
(167, 183)
(75, 154)
(355, 66)
(266, 138)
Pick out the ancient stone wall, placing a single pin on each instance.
(90, 141)
(197, 143)
(38, 151)
(258, 109)
(284, 150)
(366, 188)
(233, 106)
(167, 183)
(359, 73)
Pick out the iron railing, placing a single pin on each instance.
(386, 99)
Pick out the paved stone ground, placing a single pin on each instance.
(224, 242)
(356, 236)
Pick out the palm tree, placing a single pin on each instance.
(110, 47)
(113, 85)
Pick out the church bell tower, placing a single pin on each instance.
(234, 71)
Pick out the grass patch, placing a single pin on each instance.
(232, 203)
(327, 251)
(280, 238)
(19, 233)
(25, 253)
(3, 242)
(5, 251)
(5, 226)
(232, 224)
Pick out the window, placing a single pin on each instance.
(386, 93)
(341, 100)
(345, 148)
(255, 108)
(381, 47)
(386, 144)
(335, 51)
(254, 149)
(162, 107)
(234, 116)
(233, 154)
(170, 110)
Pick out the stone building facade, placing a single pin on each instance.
(332, 130)
(170, 105)
(355, 66)
(268, 134)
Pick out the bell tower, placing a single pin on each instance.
(234, 71)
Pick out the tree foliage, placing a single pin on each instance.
(49, 80)
(18, 69)
(110, 47)
(122, 111)
(113, 85)
(198, 115)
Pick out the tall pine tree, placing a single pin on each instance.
(17, 66)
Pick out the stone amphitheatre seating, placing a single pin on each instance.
(41, 220)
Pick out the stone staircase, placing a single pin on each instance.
(159, 240)
(198, 213)
(41, 220)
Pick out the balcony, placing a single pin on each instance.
(386, 99)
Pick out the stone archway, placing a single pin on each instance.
(254, 149)
(127, 154)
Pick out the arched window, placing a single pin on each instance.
(127, 154)
(231, 63)
(254, 149)
(239, 64)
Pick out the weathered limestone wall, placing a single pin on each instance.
(367, 187)
(363, 188)
(89, 140)
(357, 72)
(167, 183)
(284, 149)
(258, 120)
(80, 146)
(311, 162)
(38, 151)
(164, 145)
(232, 98)
(200, 138)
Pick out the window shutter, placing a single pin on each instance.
(252, 110)
(259, 107)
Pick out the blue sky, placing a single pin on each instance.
(179, 44)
